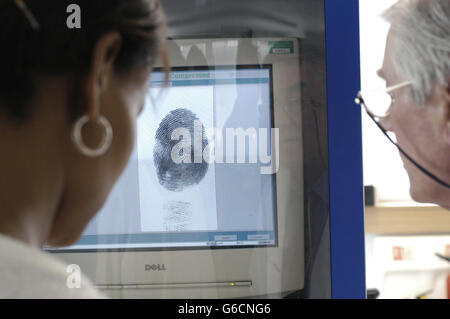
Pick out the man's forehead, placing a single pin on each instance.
(387, 71)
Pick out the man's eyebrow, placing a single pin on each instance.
(380, 73)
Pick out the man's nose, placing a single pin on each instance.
(385, 122)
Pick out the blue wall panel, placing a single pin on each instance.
(345, 149)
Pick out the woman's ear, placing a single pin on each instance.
(102, 70)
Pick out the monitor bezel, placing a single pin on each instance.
(267, 66)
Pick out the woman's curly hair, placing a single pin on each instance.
(55, 49)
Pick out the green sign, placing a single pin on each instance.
(281, 47)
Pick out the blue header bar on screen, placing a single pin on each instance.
(212, 77)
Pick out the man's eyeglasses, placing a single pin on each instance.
(380, 101)
(380, 106)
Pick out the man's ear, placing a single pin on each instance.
(102, 69)
(447, 133)
(447, 113)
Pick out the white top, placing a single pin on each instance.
(28, 272)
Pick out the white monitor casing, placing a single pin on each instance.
(226, 272)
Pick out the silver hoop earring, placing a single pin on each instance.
(106, 139)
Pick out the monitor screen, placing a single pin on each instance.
(198, 177)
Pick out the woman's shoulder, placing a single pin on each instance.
(27, 272)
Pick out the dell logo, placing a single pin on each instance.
(155, 267)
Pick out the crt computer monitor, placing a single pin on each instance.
(230, 222)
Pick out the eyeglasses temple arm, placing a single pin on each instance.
(397, 86)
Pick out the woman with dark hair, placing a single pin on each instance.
(69, 101)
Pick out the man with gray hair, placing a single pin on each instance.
(416, 68)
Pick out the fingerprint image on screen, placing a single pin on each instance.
(177, 186)
(178, 215)
(177, 176)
